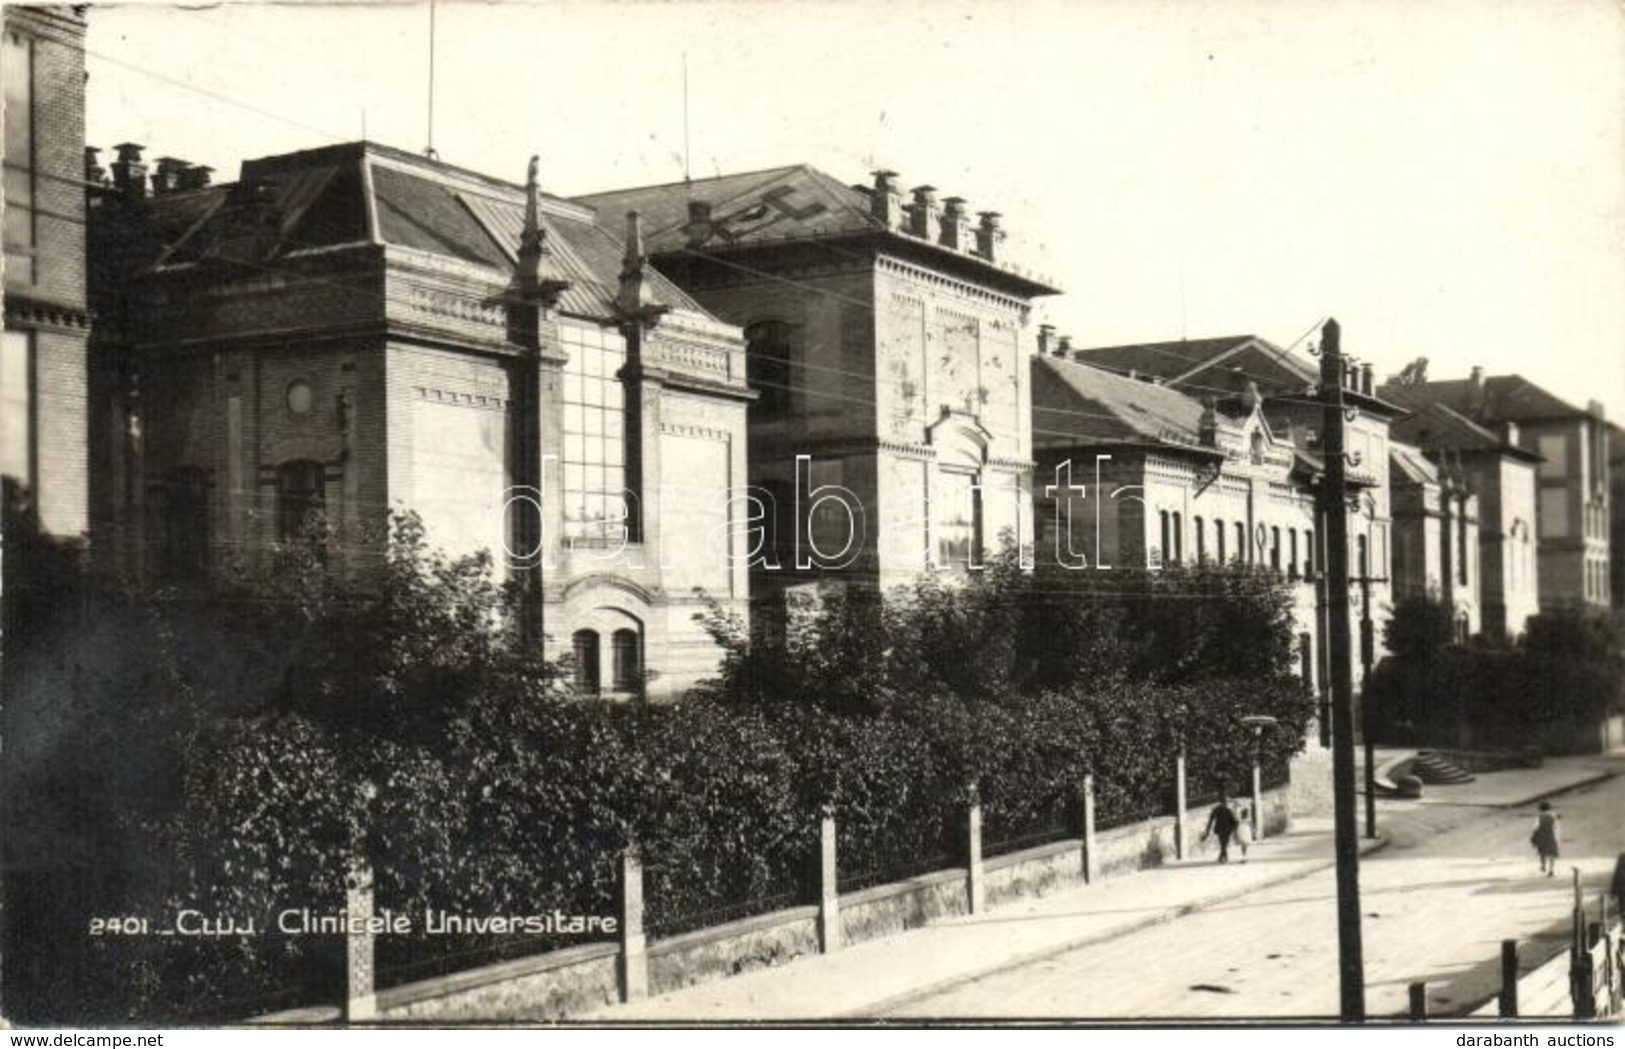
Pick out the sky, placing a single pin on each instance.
(1447, 179)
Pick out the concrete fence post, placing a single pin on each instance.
(1182, 844)
(1091, 853)
(634, 953)
(360, 998)
(829, 896)
(1419, 1001)
(1258, 802)
(975, 885)
(1509, 978)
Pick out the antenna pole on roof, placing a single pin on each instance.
(685, 117)
(428, 150)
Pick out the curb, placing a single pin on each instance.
(875, 1009)
(1601, 775)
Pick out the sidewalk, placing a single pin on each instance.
(869, 978)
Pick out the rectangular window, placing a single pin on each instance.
(1554, 448)
(595, 505)
(958, 519)
(16, 406)
(1554, 511)
(18, 65)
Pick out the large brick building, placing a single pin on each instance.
(887, 344)
(1135, 473)
(356, 330)
(1500, 475)
(1282, 384)
(1439, 547)
(43, 352)
(1571, 475)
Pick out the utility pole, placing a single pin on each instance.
(1334, 506)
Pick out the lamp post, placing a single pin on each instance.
(1258, 723)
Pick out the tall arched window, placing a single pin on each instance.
(1242, 553)
(1292, 553)
(1165, 547)
(1179, 537)
(1360, 559)
(627, 654)
(300, 494)
(584, 653)
(768, 369)
(1275, 549)
(1199, 526)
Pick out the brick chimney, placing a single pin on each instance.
(1046, 334)
(955, 224)
(95, 174)
(1208, 428)
(699, 227)
(195, 176)
(1475, 391)
(885, 200)
(1063, 348)
(988, 235)
(922, 214)
(167, 178)
(1367, 374)
(129, 174)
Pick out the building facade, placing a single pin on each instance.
(1501, 475)
(1572, 511)
(1134, 473)
(1438, 536)
(887, 347)
(356, 330)
(43, 436)
(1283, 386)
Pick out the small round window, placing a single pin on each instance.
(300, 397)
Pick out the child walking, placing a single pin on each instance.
(1544, 839)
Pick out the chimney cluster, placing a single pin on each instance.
(130, 172)
(948, 224)
(1359, 378)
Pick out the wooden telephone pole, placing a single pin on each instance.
(1334, 506)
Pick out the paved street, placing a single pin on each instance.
(1455, 880)
(1454, 877)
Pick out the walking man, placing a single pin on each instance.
(1222, 821)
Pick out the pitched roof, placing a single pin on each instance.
(318, 199)
(796, 202)
(1503, 398)
(1075, 403)
(1409, 466)
(1436, 426)
(755, 206)
(1192, 363)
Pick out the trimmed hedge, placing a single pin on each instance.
(406, 722)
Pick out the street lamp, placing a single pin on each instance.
(1258, 723)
